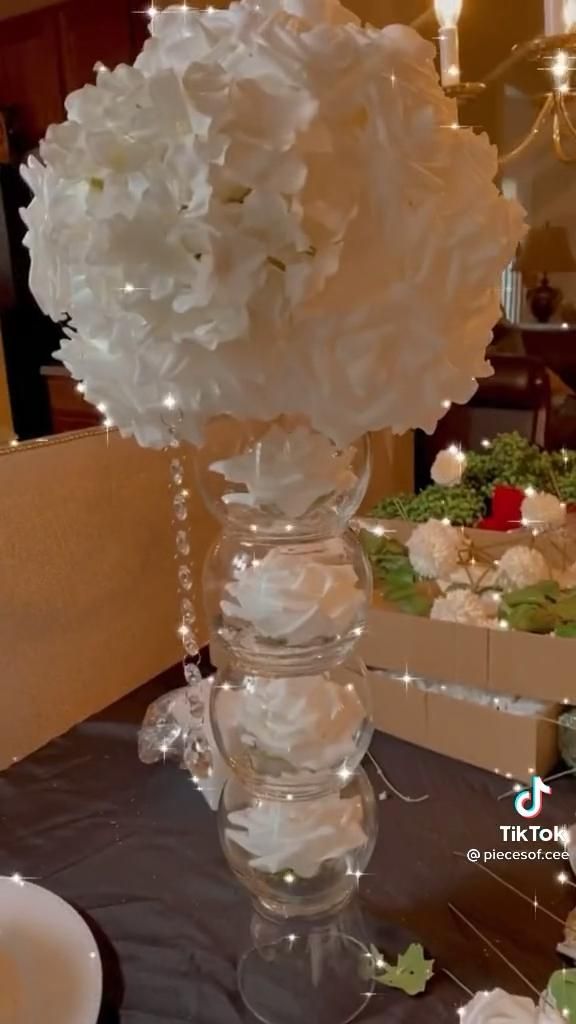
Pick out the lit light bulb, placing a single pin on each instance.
(448, 12)
(169, 402)
(561, 71)
(569, 14)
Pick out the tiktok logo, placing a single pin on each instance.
(528, 803)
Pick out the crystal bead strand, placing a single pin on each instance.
(198, 755)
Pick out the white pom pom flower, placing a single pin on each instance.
(434, 549)
(464, 607)
(448, 467)
(542, 511)
(522, 567)
(187, 222)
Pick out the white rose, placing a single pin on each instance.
(288, 470)
(293, 596)
(522, 567)
(309, 721)
(434, 549)
(464, 607)
(448, 467)
(543, 510)
(298, 836)
(499, 1007)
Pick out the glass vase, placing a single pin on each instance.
(287, 590)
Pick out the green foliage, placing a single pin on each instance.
(395, 577)
(411, 973)
(566, 629)
(562, 989)
(510, 460)
(461, 505)
(543, 608)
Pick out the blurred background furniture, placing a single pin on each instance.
(69, 410)
(545, 251)
(517, 397)
(555, 345)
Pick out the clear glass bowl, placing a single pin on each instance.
(299, 858)
(300, 735)
(274, 479)
(278, 606)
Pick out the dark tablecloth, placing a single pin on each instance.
(136, 850)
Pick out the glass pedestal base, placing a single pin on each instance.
(305, 970)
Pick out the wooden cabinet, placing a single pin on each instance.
(68, 409)
(49, 53)
(30, 75)
(90, 33)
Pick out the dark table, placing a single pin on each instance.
(136, 850)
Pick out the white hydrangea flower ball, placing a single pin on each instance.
(448, 467)
(522, 567)
(464, 607)
(188, 224)
(543, 510)
(434, 549)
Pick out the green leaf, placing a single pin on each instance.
(566, 629)
(566, 609)
(532, 619)
(411, 974)
(562, 989)
(540, 594)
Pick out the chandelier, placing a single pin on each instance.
(555, 48)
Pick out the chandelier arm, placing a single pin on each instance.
(561, 153)
(541, 119)
(566, 117)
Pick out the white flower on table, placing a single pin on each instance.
(499, 1007)
(288, 470)
(295, 596)
(298, 836)
(542, 511)
(434, 549)
(464, 607)
(448, 467)
(521, 566)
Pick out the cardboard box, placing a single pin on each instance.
(512, 745)
(502, 661)
(88, 584)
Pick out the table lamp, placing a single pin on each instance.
(545, 251)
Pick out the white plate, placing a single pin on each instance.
(50, 970)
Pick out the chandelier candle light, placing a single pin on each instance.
(448, 13)
(221, 285)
